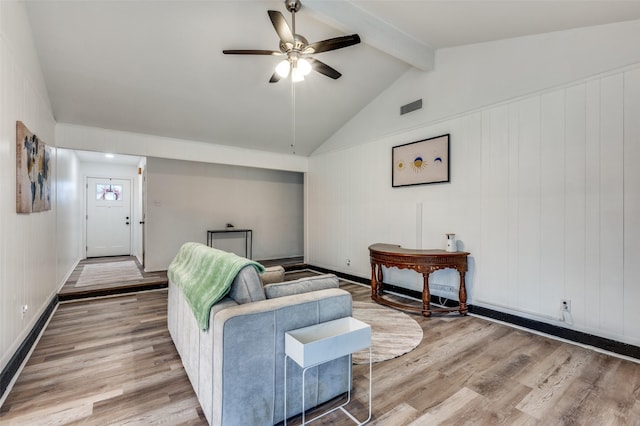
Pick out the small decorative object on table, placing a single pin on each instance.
(451, 243)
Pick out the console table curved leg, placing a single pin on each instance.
(426, 296)
(462, 294)
(374, 281)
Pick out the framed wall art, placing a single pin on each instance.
(33, 170)
(421, 162)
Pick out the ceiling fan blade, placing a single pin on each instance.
(281, 26)
(274, 78)
(251, 52)
(333, 44)
(323, 68)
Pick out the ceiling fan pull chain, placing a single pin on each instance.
(293, 117)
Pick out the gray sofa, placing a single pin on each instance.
(236, 366)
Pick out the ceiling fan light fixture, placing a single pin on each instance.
(304, 66)
(283, 68)
(297, 75)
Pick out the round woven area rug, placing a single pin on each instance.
(393, 333)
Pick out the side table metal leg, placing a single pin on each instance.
(286, 357)
(351, 416)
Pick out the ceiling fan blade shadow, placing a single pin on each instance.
(251, 52)
(274, 78)
(333, 43)
(281, 26)
(323, 68)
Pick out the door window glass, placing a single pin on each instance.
(107, 192)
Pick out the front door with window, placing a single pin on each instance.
(108, 217)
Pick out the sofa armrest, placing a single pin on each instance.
(302, 285)
(249, 356)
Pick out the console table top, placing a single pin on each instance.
(397, 250)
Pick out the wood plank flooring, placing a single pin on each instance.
(111, 361)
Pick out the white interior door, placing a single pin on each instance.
(108, 217)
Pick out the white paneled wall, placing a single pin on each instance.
(69, 201)
(544, 193)
(631, 198)
(27, 241)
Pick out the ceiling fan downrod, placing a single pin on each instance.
(293, 6)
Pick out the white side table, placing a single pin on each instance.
(320, 343)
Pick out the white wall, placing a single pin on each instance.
(69, 214)
(103, 140)
(185, 199)
(27, 241)
(544, 188)
(474, 76)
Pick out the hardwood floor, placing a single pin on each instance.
(111, 361)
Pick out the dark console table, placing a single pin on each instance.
(248, 238)
(422, 261)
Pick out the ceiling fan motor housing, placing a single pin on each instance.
(299, 44)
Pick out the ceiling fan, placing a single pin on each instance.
(298, 50)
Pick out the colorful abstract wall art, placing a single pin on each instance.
(33, 172)
(421, 162)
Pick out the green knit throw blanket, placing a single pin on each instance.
(204, 275)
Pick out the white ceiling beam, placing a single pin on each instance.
(374, 31)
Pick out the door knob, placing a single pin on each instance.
(127, 217)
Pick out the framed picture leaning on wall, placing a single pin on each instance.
(421, 162)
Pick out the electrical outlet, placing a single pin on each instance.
(566, 305)
(348, 262)
(25, 308)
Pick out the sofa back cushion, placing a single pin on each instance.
(247, 286)
(302, 285)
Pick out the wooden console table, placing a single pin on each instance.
(422, 261)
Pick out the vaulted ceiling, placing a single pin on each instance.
(156, 67)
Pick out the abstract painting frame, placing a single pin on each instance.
(421, 162)
(33, 172)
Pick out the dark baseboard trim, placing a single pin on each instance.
(12, 367)
(341, 275)
(561, 332)
(295, 267)
(553, 330)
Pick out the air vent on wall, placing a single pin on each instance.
(404, 109)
